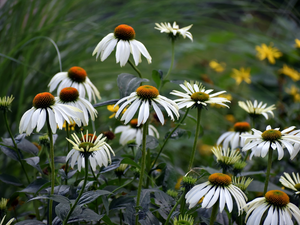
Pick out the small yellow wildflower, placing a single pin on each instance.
(241, 75)
(294, 91)
(230, 118)
(218, 67)
(178, 184)
(205, 150)
(71, 126)
(114, 110)
(290, 72)
(269, 52)
(297, 43)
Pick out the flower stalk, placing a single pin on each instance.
(171, 66)
(174, 207)
(135, 68)
(270, 155)
(214, 213)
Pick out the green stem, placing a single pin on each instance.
(129, 182)
(52, 166)
(171, 66)
(214, 213)
(196, 138)
(170, 134)
(15, 144)
(174, 207)
(86, 160)
(148, 167)
(270, 155)
(145, 130)
(69, 149)
(135, 68)
(247, 155)
(182, 205)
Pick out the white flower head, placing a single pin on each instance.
(76, 77)
(232, 139)
(226, 156)
(8, 223)
(123, 38)
(5, 102)
(195, 95)
(218, 188)
(291, 182)
(134, 132)
(90, 146)
(70, 96)
(46, 107)
(273, 208)
(256, 109)
(174, 30)
(142, 99)
(260, 142)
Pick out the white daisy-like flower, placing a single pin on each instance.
(46, 107)
(232, 139)
(76, 77)
(256, 109)
(70, 96)
(8, 223)
(134, 132)
(197, 96)
(5, 102)
(123, 38)
(273, 208)
(260, 142)
(142, 99)
(226, 156)
(90, 146)
(291, 182)
(218, 188)
(174, 30)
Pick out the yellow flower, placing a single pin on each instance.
(112, 109)
(230, 118)
(294, 91)
(269, 52)
(178, 184)
(297, 43)
(205, 150)
(71, 126)
(290, 72)
(241, 75)
(218, 67)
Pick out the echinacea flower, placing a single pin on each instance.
(260, 142)
(123, 38)
(142, 99)
(218, 67)
(241, 75)
(91, 146)
(226, 156)
(134, 132)
(218, 189)
(76, 77)
(186, 220)
(46, 107)
(256, 109)
(232, 139)
(70, 96)
(197, 96)
(5, 102)
(274, 208)
(290, 72)
(242, 182)
(8, 223)
(291, 182)
(174, 30)
(267, 52)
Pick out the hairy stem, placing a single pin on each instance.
(270, 155)
(174, 207)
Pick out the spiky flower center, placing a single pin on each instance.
(219, 179)
(133, 123)
(43, 100)
(124, 32)
(277, 198)
(200, 96)
(242, 127)
(297, 186)
(86, 145)
(69, 94)
(147, 92)
(271, 135)
(77, 74)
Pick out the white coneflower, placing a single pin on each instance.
(174, 30)
(226, 157)
(91, 146)
(141, 100)
(45, 106)
(5, 102)
(76, 77)
(291, 182)
(123, 38)
(197, 96)
(273, 208)
(256, 109)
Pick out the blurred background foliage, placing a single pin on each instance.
(32, 32)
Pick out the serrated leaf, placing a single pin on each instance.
(35, 186)
(56, 198)
(130, 162)
(128, 83)
(8, 179)
(156, 76)
(151, 142)
(34, 162)
(90, 196)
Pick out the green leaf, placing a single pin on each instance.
(130, 162)
(63, 209)
(157, 76)
(178, 133)
(34, 162)
(8, 179)
(35, 186)
(107, 220)
(151, 142)
(128, 83)
(56, 198)
(10, 152)
(109, 102)
(90, 196)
